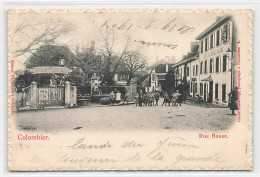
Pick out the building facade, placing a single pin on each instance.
(149, 82)
(215, 61)
(186, 70)
(154, 79)
(211, 70)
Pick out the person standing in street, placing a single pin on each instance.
(118, 97)
(233, 100)
(140, 98)
(126, 98)
(165, 99)
(112, 98)
(156, 97)
(136, 99)
(179, 98)
(170, 98)
(174, 98)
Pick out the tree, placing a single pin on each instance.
(23, 79)
(37, 34)
(134, 61)
(169, 81)
(87, 62)
(113, 49)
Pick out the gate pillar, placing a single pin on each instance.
(34, 95)
(67, 94)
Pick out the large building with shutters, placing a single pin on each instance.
(216, 61)
(211, 70)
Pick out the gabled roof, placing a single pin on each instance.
(161, 68)
(162, 61)
(184, 60)
(212, 27)
(143, 78)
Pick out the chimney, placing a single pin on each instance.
(167, 67)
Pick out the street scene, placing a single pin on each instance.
(110, 77)
(189, 116)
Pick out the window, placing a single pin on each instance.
(217, 40)
(224, 92)
(211, 66)
(216, 91)
(217, 64)
(224, 63)
(197, 68)
(205, 66)
(201, 64)
(225, 33)
(153, 77)
(201, 47)
(211, 41)
(188, 71)
(191, 86)
(206, 44)
(193, 70)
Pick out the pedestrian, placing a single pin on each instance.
(165, 99)
(112, 98)
(174, 98)
(179, 99)
(184, 97)
(140, 98)
(170, 98)
(146, 99)
(152, 99)
(126, 98)
(156, 97)
(233, 100)
(136, 98)
(118, 97)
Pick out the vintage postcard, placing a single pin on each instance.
(130, 89)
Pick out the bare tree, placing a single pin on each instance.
(113, 46)
(134, 61)
(38, 34)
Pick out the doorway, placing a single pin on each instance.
(205, 93)
(210, 91)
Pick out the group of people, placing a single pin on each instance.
(115, 97)
(152, 98)
(174, 98)
(147, 99)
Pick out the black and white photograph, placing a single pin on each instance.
(129, 89)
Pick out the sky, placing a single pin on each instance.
(155, 33)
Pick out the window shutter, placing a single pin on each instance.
(214, 37)
(221, 64)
